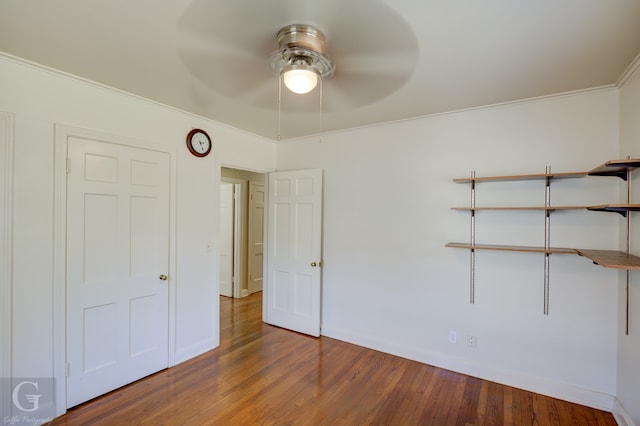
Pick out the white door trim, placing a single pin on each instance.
(240, 189)
(6, 249)
(265, 253)
(62, 133)
(226, 238)
(239, 273)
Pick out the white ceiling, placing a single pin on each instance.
(411, 57)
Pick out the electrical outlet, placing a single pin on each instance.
(472, 341)
(453, 337)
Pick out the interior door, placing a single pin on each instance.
(117, 266)
(256, 236)
(226, 239)
(294, 255)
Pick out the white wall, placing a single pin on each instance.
(629, 346)
(40, 99)
(389, 283)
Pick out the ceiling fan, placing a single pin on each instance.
(361, 49)
(300, 58)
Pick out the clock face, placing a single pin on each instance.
(199, 143)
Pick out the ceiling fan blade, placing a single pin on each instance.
(354, 92)
(363, 27)
(226, 70)
(232, 59)
(399, 63)
(263, 95)
(217, 21)
(369, 64)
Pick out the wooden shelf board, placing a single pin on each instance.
(606, 258)
(527, 249)
(533, 208)
(615, 167)
(535, 176)
(611, 258)
(610, 168)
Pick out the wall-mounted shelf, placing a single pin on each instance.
(606, 258)
(618, 168)
(524, 249)
(612, 259)
(622, 209)
(511, 178)
(532, 208)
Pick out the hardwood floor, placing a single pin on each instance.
(265, 375)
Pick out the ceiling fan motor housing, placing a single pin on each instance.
(304, 36)
(301, 46)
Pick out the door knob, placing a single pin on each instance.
(163, 277)
(314, 264)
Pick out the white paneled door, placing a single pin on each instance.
(117, 266)
(294, 255)
(256, 236)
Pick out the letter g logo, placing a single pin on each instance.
(33, 399)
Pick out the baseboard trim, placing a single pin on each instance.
(527, 382)
(620, 414)
(192, 351)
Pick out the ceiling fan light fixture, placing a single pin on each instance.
(300, 59)
(300, 80)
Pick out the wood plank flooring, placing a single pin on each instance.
(269, 376)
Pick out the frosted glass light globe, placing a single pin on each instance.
(300, 81)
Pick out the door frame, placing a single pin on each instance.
(264, 229)
(6, 253)
(62, 133)
(238, 276)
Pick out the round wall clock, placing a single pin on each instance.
(199, 143)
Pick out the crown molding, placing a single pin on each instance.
(633, 66)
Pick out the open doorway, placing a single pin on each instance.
(242, 208)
